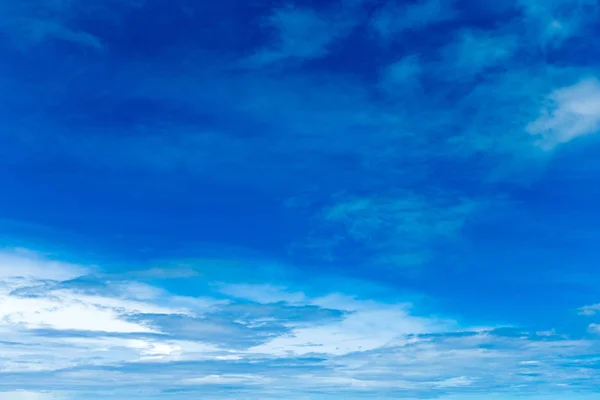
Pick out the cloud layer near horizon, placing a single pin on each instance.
(67, 329)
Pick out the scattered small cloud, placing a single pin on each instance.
(590, 310)
(571, 112)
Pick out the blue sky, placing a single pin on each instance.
(299, 199)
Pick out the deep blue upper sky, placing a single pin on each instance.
(299, 199)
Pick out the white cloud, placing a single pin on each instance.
(34, 352)
(454, 382)
(25, 395)
(27, 303)
(63, 313)
(366, 325)
(571, 112)
(359, 331)
(475, 361)
(34, 295)
(360, 350)
(594, 328)
(69, 310)
(25, 264)
(590, 310)
(143, 349)
(229, 379)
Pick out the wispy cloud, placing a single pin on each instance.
(303, 34)
(402, 75)
(263, 293)
(394, 18)
(570, 112)
(556, 21)
(474, 52)
(28, 24)
(395, 229)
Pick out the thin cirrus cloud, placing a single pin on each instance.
(392, 20)
(474, 52)
(396, 228)
(557, 21)
(22, 23)
(302, 33)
